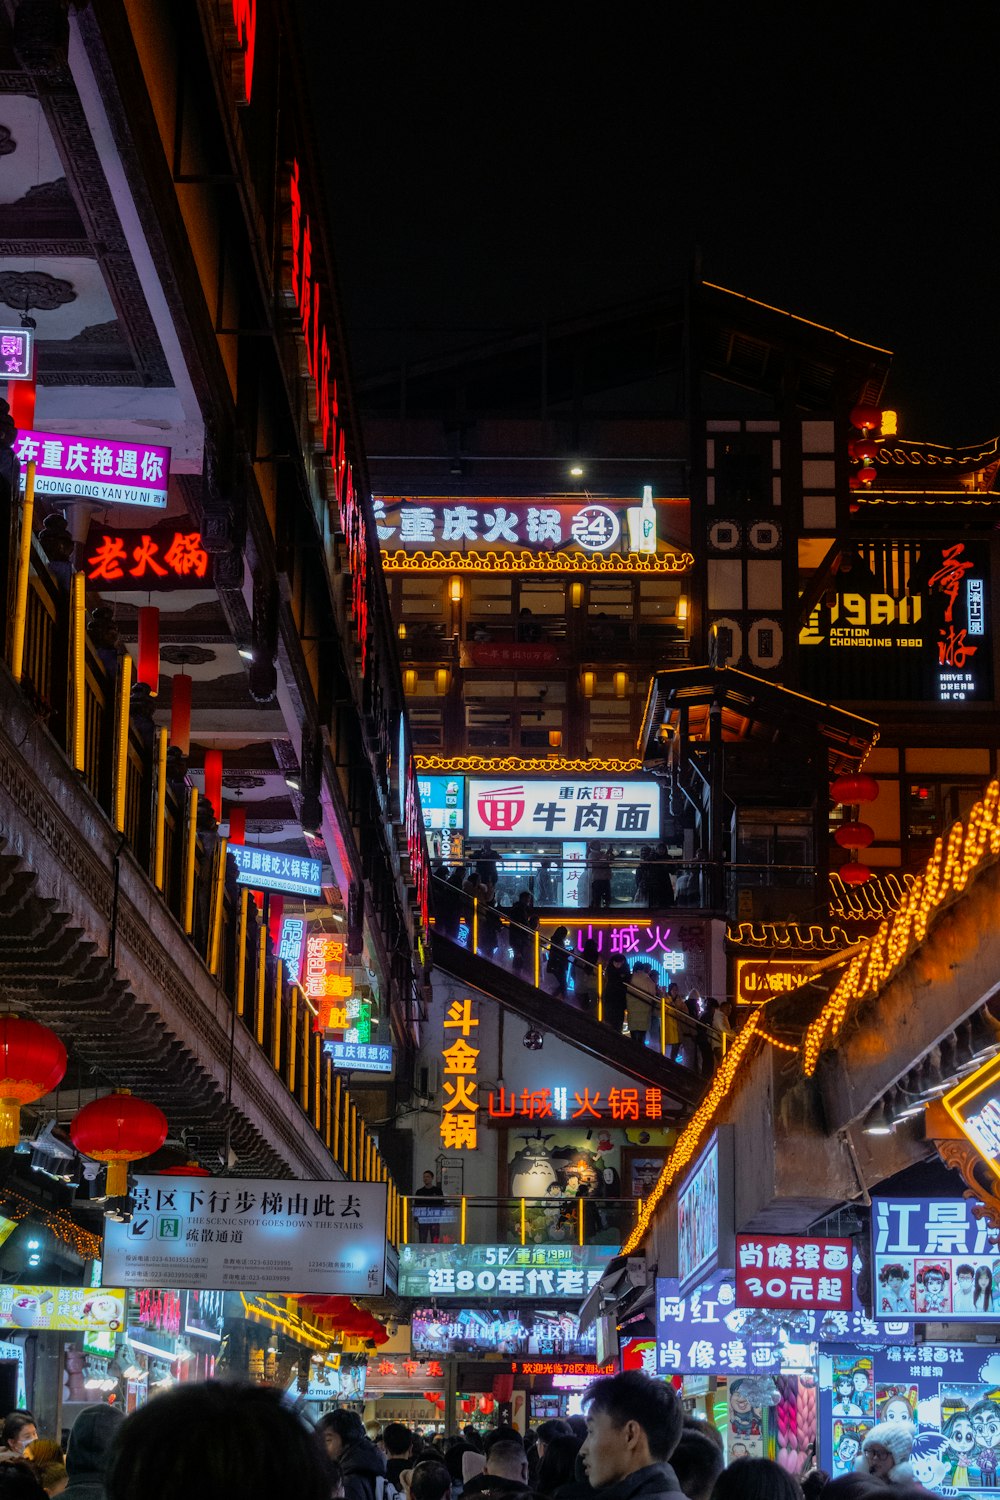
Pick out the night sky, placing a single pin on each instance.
(494, 166)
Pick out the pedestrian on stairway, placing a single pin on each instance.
(558, 961)
(639, 1002)
(616, 978)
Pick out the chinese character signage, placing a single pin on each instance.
(760, 979)
(531, 1271)
(933, 1259)
(146, 560)
(264, 870)
(361, 1057)
(705, 1211)
(69, 1308)
(96, 468)
(278, 1236)
(909, 621)
(446, 1330)
(290, 941)
(15, 353)
(561, 1102)
(460, 1110)
(785, 1272)
(430, 523)
(442, 801)
(565, 809)
(204, 1314)
(974, 1105)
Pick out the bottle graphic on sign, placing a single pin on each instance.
(642, 523)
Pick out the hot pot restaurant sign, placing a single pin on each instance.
(781, 1271)
(267, 870)
(274, 1235)
(616, 809)
(933, 1259)
(95, 468)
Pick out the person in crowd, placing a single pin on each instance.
(697, 1461)
(616, 979)
(486, 868)
(700, 1045)
(639, 999)
(430, 1480)
(756, 1479)
(814, 1483)
(473, 1464)
(523, 921)
(699, 1424)
(634, 1423)
(46, 1458)
(546, 1431)
(586, 974)
(659, 886)
(506, 1470)
(19, 1480)
(18, 1432)
(599, 864)
(642, 873)
(857, 1487)
(719, 1017)
(557, 1465)
(677, 1016)
(885, 1452)
(88, 1449)
(557, 964)
(547, 883)
(397, 1442)
(472, 1437)
(686, 889)
(427, 1194)
(578, 1423)
(210, 1442)
(343, 1434)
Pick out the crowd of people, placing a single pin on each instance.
(247, 1442)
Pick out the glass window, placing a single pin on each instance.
(658, 598)
(489, 596)
(612, 597)
(543, 596)
(423, 597)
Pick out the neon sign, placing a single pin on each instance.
(83, 468)
(459, 1113)
(141, 559)
(974, 1105)
(15, 353)
(562, 1103)
(293, 932)
(245, 21)
(264, 871)
(496, 524)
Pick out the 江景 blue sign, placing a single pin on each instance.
(264, 870)
(366, 1057)
(933, 1260)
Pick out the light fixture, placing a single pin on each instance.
(246, 652)
(410, 681)
(588, 682)
(555, 739)
(401, 630)
(34, 1244)
(576, 471)
(576, 595)
(442, 681)
(879, 1121)
(621, 684)
(455, 589)
(682, 608)
(292, 782)
(533, 1040)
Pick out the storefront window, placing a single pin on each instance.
(933, 806)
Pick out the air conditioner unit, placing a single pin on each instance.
(427, 1083)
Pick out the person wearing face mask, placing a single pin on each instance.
(18, 1431)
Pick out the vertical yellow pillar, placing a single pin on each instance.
(189, 860)
(23, 573)
(160, 827)
(241, 949)
(121, 739)
(78, 670)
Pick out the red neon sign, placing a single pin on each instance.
(559, 1367)
(556, 1104)
(245, 21)
(130, 558)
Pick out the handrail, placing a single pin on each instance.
(577, 1213)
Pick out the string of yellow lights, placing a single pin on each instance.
(777, 935)
(968, 847)
(86, 1245)
(781, 1046)
(515, 765)
(535, 562)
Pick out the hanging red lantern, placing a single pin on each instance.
(116, 1130)
(867, 418)
(184, 1169)
(180, 712)
(864, 448)
(854, 835)
(468, 1407)
(856, 787)
(867, 475)
(213, 782)
(486, 1405)
(854, 873)
(32, 1064)
(149, 647)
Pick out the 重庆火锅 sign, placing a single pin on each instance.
(783, 1271)
(610, 809)
(531, 1271)
(273, 1235)
(488, 525)
(95, 468)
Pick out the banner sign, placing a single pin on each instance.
(705, 1211)
(565, 809)
(759, 979)
(15, 353)
(779, 1271)
(442, 801)
(442, 1330)
(265, 871)
(286, 1236)
(95, 468)
(361, 1057)
(933, 1259)
(488, 525)
(530, 1271)
(67, 1308)
(333, 1383)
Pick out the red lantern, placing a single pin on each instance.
(116, 1130)
(854, 835)
(859, 787)
(237, 825)
(185, 1169)
(863, 448)
(32, 1064)
(866, 417)
(867, 475)
(213, 782)
(854, 873)
(149, 648)
(468, 1407)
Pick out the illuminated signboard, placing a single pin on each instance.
(588, 1368)
(908, 622)
(442, 800)
(147, 560)
(563, 1103)
(67, 1308)
(974, 1105)
(512, 1330)
(265, 871)
(16, 353)
(362, 1057)
(487, 525)
(204, 1314)
(290, 941)
(705, 1211)
(245, 24)
(565, 809)
(932, 1259)
(460, 1110)
(786, 1272)
(95, 468)
(324, 977)
(529, 1271)
(759, 979)
(301, 1237)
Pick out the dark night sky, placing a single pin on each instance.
(490, 166)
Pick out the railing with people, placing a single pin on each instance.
(559, 1216)
(511, 940)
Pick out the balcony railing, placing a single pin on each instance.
(555, 1218)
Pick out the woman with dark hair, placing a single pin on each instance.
(215, 1442)
(558, 1463)
(982, 1295)
(756, 1479)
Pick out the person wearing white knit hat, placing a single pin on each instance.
(885, 1451)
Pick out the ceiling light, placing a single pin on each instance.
(576, 471)
(292, 782)
(879, 1121)
(246, 652)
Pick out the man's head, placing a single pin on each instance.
(430, 1481)
(18, 1431)
(338, 1429)
(546, 1431)
(508, 1460)
(397, 1440)
(502, 1434)
(697, 1462)
(428, 1179)
(632, 1421)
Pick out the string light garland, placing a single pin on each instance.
(85, 1244)
(880, 896)
(967, 849)
(690, 1137)
(781, 1046)
(777, 935)
(514, 765)
(535, 562)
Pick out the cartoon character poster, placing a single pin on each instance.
(854, 1387)
(745, 1419)
(896, 1403)
(933, 1282)
(847, 1439)
(895, 1293)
